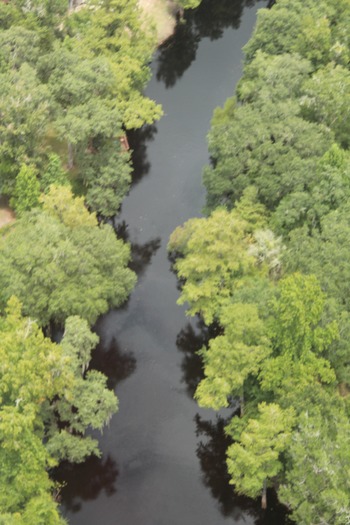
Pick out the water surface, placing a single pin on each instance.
(163, 457)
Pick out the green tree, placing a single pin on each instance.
(317, 483)
(33, 369)
(256, 456)
(83, 92)
(305, 28)
(329, 190)
(26, 192)
(18, 45)
(233, 356)
(327, 99)
(25, 111)
(53, 173)
(272, 78)
(270, 147)
(216, 260)
(115, 31)
(74, 266)
(105, 192)
(86, 404)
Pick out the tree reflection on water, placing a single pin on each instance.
(211, 452)
(189, 341)
(209, 20)
(98, 474)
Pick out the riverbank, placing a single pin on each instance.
(163, 15)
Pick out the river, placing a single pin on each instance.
(163, 458)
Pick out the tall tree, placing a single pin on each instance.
(33, 369)
(256, 457)
(74, 266)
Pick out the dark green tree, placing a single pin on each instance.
(74, 266)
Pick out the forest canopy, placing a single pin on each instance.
(72, 82)
(268, 265)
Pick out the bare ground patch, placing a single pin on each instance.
(6, 214)
(162, 13)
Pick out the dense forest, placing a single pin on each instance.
(268, 267)
(71, 85)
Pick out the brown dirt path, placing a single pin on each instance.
(6, 214)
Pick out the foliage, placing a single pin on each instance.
(87, 403)
(32, 370)
(233, 356)
(270, 147)
(272, 78)
(25, 112)
(189, 4)
(47, 402)
(27, 190)
(326, 99)
(106, 192)
(257, 454)
(307, 28)
(317, 485)
(78, 79)
(282, 338)
(217, 257)
(74, 266)
(53, 173)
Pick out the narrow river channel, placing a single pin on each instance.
(163, 457)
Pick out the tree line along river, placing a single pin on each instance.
(163, 457)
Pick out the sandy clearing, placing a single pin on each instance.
(6, 216)
(163, 15)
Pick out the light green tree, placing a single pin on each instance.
(33, 369)
(215, 260)
(27, 190)
(230, 358)
(256, 456)
(87, 403)
(53, 173)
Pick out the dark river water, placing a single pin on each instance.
(163, 457)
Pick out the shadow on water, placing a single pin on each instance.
(207, 21)
(98, 475)
(141, 254)
(211, 452)
(113, 363)
(138, 142)
(189, 341)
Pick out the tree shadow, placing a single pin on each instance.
(209, 20)
(138, 142)
(141, 254)
(189, 340)
(211, 452)
(115, 364)
(85, 481)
